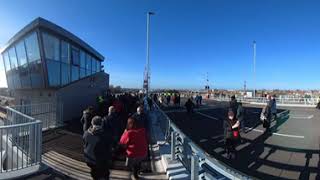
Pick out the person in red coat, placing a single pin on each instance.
(134, 141)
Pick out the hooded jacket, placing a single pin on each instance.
(97, 146)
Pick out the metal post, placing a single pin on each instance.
(147, 58)
(194, 167)
(173, 145)
(254, 68)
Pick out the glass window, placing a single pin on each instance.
(65, 55)
(74, 73)
(25, 77)
(98, 66)
(65, 74)
(21, 54)
(6, 61)
(88, 62)
(36, 74)
(51, 47)
(13, 58)
(16, 80)
(53, 73)
(82, 59)
(32, 47)
(94, 65)
(75, 56)
(82, 73)
(10, 81)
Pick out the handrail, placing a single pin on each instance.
(21, 114)
(21, 143)
(198, 156)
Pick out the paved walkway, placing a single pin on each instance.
(63, 155)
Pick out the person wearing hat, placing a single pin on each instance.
(97, 149)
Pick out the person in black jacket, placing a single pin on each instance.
(231, 127)
(112, 124)
(97, 150)
(86, 118)
(189, 106)
(141, 118)
(267, 118)
(233, 104)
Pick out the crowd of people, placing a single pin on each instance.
(235, 123)
(167, 98)
(119, 125)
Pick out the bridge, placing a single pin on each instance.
(34, 146)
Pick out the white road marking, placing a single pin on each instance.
(203, 140)
(205, 115)
(302, 117)
(257, 130)
(278, 134)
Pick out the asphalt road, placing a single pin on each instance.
(291, 152)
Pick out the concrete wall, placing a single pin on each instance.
(80, 94)
(34, 96)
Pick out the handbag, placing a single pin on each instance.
(235, 134)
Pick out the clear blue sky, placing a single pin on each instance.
(189, 38)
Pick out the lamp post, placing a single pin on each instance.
(254, 68)
(147, 74)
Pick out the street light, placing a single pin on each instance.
(148, 61)
(254, 68)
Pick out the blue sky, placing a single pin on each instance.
(188, 39)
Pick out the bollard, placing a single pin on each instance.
(194, 167)
(173, 145)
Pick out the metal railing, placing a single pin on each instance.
(195, 160)
(283, 101)
(20, 141)
(49, 113)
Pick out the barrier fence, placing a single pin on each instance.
(49, 113)
(195, 160)
(283, 101)
(20, 142)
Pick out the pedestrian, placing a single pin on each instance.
(189, 106)
(200, 99)
(149, 100)
(231, 134)
(240, 116)
(265, 117)
(86, 118)
(97, 150)
(112, 124)
(233, 104)
(274, 107)
(140, 118)
(168, 99)
(134, 141)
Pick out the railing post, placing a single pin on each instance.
(194, 167)
(173, 145)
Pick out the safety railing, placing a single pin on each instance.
(195, 160)
(49, 113)
(20, 141)
(283, 101)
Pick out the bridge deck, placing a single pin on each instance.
(291, 152)
(63, 154)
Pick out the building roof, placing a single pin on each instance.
(43, 23)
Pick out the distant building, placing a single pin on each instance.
(46, 63)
